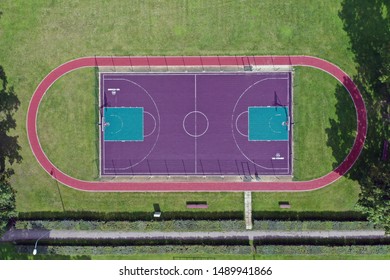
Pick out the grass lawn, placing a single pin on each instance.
(8, 252)
(37, 36)
(68, 134)
(133, 202)
(315, 99)
(340, 196)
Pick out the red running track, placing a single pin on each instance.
(318, 63)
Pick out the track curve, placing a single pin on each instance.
(97, 186)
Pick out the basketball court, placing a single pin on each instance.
(189, 124)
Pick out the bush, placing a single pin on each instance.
(131, 216)
(132, 250)
(323, 250)
(191, 225)
(283, 225)
(309, 215)
(172, 225)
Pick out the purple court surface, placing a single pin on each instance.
(195, 124)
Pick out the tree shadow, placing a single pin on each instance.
(9, 147)
(342, 131)
(367, 25)
(10, 251)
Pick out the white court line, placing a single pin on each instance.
(230, 73)
(99, 129)
(193, 134)
(237, 124)
(196, 141)
(288, 119)
(155, 123)
(111, 76)
(102, 132)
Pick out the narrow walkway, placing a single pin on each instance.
(248, 210)
(19, 235)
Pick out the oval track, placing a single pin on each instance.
(237, 61)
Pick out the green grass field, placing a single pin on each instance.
(37, 36)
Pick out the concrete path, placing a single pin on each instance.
(20, 235)
(248, 210)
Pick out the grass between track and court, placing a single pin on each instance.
(316, 97)
(37, 36)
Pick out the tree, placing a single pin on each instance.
(374, 199)
(9, 149)
(367, 24)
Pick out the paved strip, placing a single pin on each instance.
(20, 235)
(293, 186)
(248, 210)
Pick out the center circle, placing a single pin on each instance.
(195, 124)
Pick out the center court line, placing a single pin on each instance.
(196, 135)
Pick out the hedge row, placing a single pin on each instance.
(170, 225)
(323, 250)
(139, 241)
(132, 250)
(190, 225)
(132, 216)
(325, 241)
(207, 250)
(311, 225)
(309, 215)
(195, 214)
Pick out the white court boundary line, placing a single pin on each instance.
(196, 128)
(283, 77)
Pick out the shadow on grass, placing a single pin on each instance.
(9, 150)
(8, 251)
(9, 104)
(367, 24)
(342, 131)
